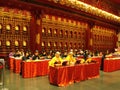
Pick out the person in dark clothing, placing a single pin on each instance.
(36, 55)
(96, 53)
(102, 62)
(85, 55)
(26, 57)
(44, 54)
(17, 53)
(64, 54)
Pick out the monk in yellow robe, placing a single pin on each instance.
(70, 58)
(55, 60)
(88, 60)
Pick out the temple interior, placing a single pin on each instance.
(59, 44)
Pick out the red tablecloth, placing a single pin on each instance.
(57, 76)
(34, 68)
(80, 72)
(17, 65)
(11, 63)
(111, 65)
(98, 59)
(70, 75)
(92, 70)
(63, 76)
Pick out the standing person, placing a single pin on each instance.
(85, 55)
(102, 62)
(56, 60)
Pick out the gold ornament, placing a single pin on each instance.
(16, 28)
(7, 27)
(24, 43)
(0, 26)
(24, 28)
(7, 43)
(43, 44)
(16, 43)
(38, 21)
(38, 38)
(0, 43)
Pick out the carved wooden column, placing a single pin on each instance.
(35, 31)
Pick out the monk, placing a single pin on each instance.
(56, 60)
(70, 58)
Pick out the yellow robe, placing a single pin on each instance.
(53, 60)
(89, 60)
(70, 59)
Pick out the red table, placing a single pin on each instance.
(92, 70)
(34, 68)
(65, 75)
(80, 73)
(61, 76)
(17, 65)
(111, 64)
(11, 63)
(98, 59)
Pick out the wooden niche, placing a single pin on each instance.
(14, 30)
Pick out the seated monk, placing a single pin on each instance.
(89, 60)
(56, 60)
(70, 58)
(80, 61)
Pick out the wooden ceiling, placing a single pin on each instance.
(41, 6)
(116, 1)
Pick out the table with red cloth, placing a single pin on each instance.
(11, 63)
(17, 65)
(64, 75)
(92, 70)
(34, 68)
(111, 64)
(98, 59)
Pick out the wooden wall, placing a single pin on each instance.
(54, 28)
(103, 38)
(14, 30)
(59, 33)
